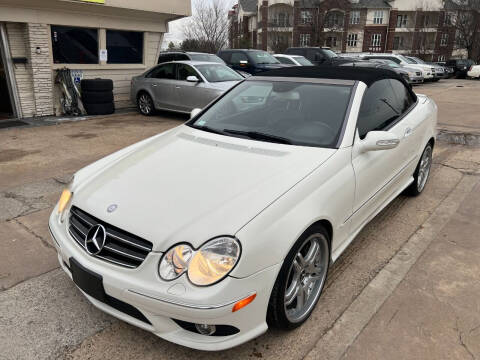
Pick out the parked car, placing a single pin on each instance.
(427, 71)
(438, 71)
(460, 67)
(448, 71)
(317, 55)
(411, 75)
(211, 232)
(250, 61)
(177, 55)
(181, 86)
(474, 72)
(298, 60)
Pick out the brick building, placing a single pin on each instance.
(418, 27)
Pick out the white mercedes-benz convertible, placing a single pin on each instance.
(210, 232)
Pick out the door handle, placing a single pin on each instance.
(177, 87)
(408, 132)
(154, 85)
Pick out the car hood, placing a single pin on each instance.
(223, 85)
(410, 69)
(266, 67)
(190, 186)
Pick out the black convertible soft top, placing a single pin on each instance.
(342, 70)
(365, 74)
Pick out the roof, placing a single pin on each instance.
(248, 5)
(371, 4)
(367, 75)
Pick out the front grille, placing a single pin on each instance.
(121, 248)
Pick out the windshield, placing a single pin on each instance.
(329, 53)
(410, 61)
(218, 73)
(284, 112)
(206, 57)
(263, 57)
(303, 61)
(419, 61)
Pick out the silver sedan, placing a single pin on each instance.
(181, 86)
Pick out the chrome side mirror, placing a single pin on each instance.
(379, 140)
(195, 112)
(192, 78)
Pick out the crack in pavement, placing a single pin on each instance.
(461, 341)
(31, 232)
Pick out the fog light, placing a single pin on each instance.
(205, 329)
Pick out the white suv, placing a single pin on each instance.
(428, 71)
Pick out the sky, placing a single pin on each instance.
(175, 33)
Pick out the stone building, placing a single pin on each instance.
(113, 39)
(418, 27)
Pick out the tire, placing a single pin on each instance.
(422, 172)
(100, 109)
(145, 104)
(294, 279)
(97, 97)
(96, 85)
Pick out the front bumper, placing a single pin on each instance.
(161, 302)
(416, 79)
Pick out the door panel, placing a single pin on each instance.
(191, 95)
(379, 174)
(162, 85)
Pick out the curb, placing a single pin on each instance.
(456, 137)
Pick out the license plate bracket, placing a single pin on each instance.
(88, 281)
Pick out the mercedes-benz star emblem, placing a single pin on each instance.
(112, 208)
(95, 239)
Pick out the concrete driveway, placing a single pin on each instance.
(385, 293)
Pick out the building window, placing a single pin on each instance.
(378, 17)
(304, 39)
(397, 43)
(426, 20)
(444, 39)
(306, 17)
(376, 39)
(74, 45)
(331, 41)
(448, 19)
(334, 19)
(441, 58)
(352, 40)
(355, 17)
(402, 21)
(124, 47)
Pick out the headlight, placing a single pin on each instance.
(175, 262)
(205, 266)
(65, 200)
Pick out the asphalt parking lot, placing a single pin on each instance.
(407, 287)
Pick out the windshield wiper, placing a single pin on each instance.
(259, 136)
(208, 129)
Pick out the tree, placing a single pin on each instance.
(195, 45)
(208, 25)
(278, 41)
(466, 21)
(171, 46)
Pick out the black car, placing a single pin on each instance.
(459, 67)
(177, 55)
(250, 61)
(317, 55)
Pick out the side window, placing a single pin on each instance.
(314, 55)
(166, 71)
(185, 71)
(165, 58)
(296, 52)
(237, 57)
(378, 108)
(181, 57)
(285, 60)
(404, 98)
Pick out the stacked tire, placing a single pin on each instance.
(97, 96)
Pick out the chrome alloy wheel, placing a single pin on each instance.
(424, 168)
(306, 277)
(145, 104)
